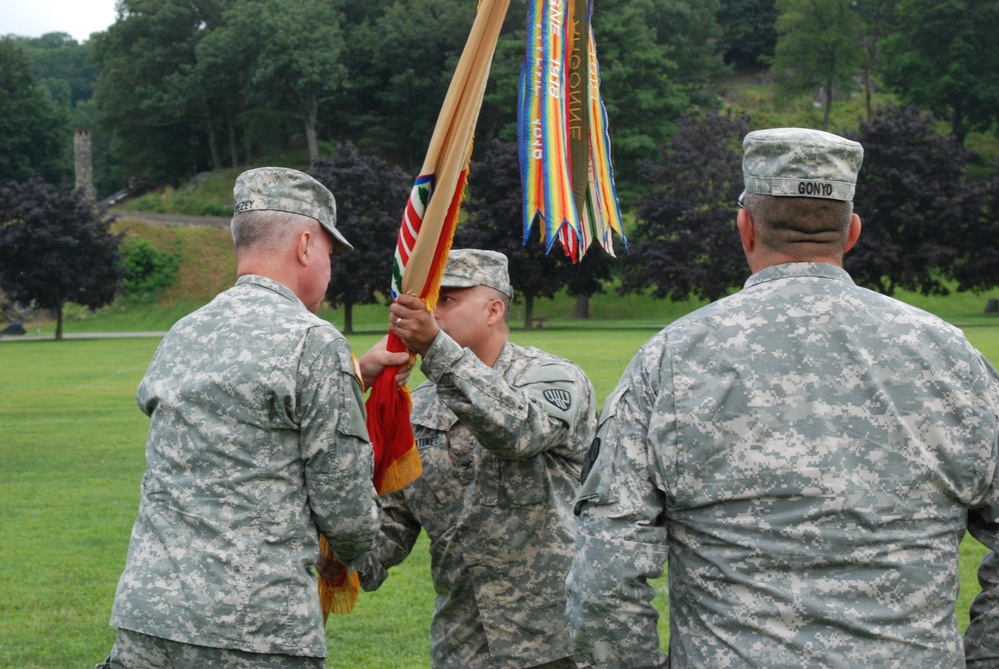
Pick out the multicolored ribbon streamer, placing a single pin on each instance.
(423, 245)
(602, 210)
(566, 171)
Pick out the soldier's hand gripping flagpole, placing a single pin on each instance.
(421, 253)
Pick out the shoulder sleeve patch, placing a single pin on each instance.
(557, 389)
(560, 398)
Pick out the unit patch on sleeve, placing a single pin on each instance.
(560, 398)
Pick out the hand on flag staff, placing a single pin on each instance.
(568, 185)
(421, 254)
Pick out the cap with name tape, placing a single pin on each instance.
(800, 162)
(285, 189)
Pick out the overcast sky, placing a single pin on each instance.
(34, 18)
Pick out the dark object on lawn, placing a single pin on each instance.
(13, 329)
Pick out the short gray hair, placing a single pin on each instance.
(267, 229)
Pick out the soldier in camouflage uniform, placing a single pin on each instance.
(805, 454)
(257, 443)
(501, 432)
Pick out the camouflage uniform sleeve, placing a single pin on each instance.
(620, 540)
(981, 640)
(335, 448)
(399, 532)
(552, 400)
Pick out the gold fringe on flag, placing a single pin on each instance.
(339, 596)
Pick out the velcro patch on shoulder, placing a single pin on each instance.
(590, 459)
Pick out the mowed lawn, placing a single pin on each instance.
(71, 459)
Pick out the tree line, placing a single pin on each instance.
(176, 87)
(180, 86)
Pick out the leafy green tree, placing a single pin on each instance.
(371, 195)
(690, 33)
(657, 59)
(819, 47)
(943, 57)
(879, 16)
(56, 247)
(685, 243)
(66, 69)
(63, 66)
(749, 31)
(221, 79)
(401, 63)
(404, 57)
(910, 197)
(34, 132)
(298, 44)
(978, 267)
(159, 134)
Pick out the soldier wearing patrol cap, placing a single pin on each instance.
(501, 430)
(806, 453)
(256, 445)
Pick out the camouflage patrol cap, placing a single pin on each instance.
(471, 267)
(799, 162)
(285, 189)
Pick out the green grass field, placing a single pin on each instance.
(71, 459)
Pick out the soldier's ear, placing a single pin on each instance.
(746, 232)
(497, 311)
(854, 234)
(302, 247)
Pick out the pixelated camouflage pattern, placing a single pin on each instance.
(501, 449)
(133, 650)
(256, 442)
(473, 267)
(808, 455)
(285, 189)
(799, 162)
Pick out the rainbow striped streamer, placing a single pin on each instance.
(602, 212)
(545, 170)
(529, 124)
(566, 171)
(560, 208)
(577, 31)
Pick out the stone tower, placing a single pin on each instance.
(84, 165)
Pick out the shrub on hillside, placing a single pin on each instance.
(149, 269)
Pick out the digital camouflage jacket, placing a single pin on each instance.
(806, 455)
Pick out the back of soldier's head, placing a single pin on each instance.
(799, 187)
(274, 204)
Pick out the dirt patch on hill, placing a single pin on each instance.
(171, 220)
